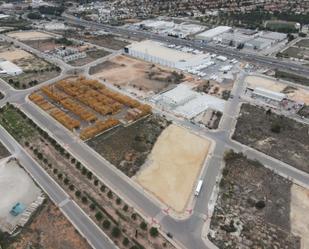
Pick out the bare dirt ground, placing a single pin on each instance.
(13, 54)
(128, 147)
(29, 35)
(49, 229)
(173, 166)
(128, 72)
(43, 45)
(252, 209)
(277, 136)
(297, 94)
(299, 214)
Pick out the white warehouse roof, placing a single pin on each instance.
(269, 94)
(10, 68)
(157, 49)
(201, 103)
(178, 95)
(209, 34)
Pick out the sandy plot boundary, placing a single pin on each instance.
(174, 165)
(29, 35)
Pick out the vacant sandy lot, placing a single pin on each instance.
(15, 54)
(174, 165)
(299, 214)
(135, 74)
(29, 35)
(274, 85)
(15, 186)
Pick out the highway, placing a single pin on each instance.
(186, 232)
(275, 63)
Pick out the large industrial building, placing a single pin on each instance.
(268, 95)
(7, 67)
(209, 35)
(159, 53)
(183, 101)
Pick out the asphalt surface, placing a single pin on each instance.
(70, 209)
(186, 232)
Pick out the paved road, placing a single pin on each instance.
(229, 52)
(186, 232)
(72, 211)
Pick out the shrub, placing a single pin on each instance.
(125, 208)
(73, 160)
(125, 241)
(66, 181)
(154, 232)
(99, 216)
(133, 216)
(96, 182)
(275, 127)
(84, 199)
(55, 171)
(143, 225)
(77, 193)
(110, 194)
(103, 187)
(116, 232)
(71, 187)
(89, 175)
(106, 224)
(92, 206)
(260, 204)
(118, 201)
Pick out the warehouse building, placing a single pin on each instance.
(183, 101)
(7, 67)
(159, 53)
(259, 43)
(268, 95)
(209, 35)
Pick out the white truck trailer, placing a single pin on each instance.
(198, 187)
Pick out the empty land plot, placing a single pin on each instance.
(303, 43)
(92, 55)
(294, 93)
(296, 52)
(128, 147)
(277, 136)
(29, 35)
(136, 74)
(48, 229)
(173, 166)
(14, 54)
(253, 208)
(297, 78)
(299, 214)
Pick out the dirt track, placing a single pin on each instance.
(174, 165)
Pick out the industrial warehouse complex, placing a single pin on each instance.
(154, 124)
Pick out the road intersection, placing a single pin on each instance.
(186, 232)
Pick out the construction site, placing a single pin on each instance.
(87, 107)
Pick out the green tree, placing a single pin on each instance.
(154, 232)
(106, 224)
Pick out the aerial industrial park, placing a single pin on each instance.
(154, 124)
